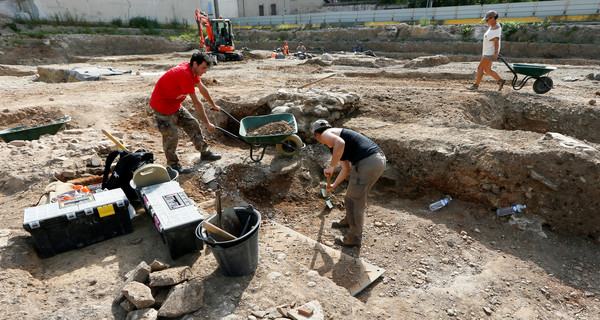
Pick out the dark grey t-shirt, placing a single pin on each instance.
(357, 146)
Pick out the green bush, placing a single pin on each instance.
(144, 23)
(12, 26)
(509, 28)
(117, 22)
(466, 30)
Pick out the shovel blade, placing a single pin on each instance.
(329, 204)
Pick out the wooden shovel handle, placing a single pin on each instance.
(110, 136)
(328, 185)
(218, 231)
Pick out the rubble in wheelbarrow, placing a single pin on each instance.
(279, 127)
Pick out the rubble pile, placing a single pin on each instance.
(308, 311)
(156, 290)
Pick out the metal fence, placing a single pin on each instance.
(538, 9)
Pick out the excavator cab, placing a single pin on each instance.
(225, 35)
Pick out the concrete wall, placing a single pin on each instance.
(106, 10)
(250, 8)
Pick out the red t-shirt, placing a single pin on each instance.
(172, 88)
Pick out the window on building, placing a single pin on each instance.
(273, 9)
(261, 10)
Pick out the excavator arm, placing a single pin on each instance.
(202, 19)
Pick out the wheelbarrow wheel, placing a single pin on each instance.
(542, 85)
(290, 146)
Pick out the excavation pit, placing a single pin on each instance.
(486, 149)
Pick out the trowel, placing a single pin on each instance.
(326, 194)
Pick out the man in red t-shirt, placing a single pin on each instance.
(170, 90)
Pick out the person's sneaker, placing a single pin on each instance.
(474, 86)
(501, 83)
(337, 224)
(209, 156)
(342, 241)
(179, 168)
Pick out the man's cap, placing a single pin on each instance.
(490, 14)
(321, 123)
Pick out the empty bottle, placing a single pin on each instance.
(439, 204)
(510, 210)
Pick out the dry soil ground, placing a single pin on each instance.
(460, 262)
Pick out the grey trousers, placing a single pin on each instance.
(363, 176)
(167, 125)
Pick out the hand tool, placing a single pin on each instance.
(327, 194)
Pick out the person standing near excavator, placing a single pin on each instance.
(170, 91)
(286, 48)
(360, 158)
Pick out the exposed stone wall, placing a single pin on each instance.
(568, 41)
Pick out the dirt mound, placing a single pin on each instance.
(33, 116)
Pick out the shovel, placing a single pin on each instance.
(231, 222)
(227, 219)
(326, 194)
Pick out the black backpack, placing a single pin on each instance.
(123, 172)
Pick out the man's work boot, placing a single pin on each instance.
(179, 168)
(475, 86)
(209, 156)
(338, 224)
(343, 241)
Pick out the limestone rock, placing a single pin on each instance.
(157, 265)
(139, 294)
(128, 305)
(315, 306)
(139, 274)
(143, 314)
(169, 277)
(183, 298)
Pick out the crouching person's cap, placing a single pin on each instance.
(321, 123)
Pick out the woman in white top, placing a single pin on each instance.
(491, 48)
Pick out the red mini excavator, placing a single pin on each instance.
(218, 41)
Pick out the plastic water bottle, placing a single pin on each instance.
(439, 204)
(510, 210)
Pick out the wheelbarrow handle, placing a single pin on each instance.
(229, 115)
(229, 134)
(507, 64)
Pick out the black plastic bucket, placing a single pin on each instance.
(237, 257)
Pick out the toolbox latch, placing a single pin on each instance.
(107, 210)
(120, 203)
(89, 211)
(71, 215)
(34, 224)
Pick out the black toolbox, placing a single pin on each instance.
(79, 222)
(175, 217)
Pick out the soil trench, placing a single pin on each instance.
(486, 149)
